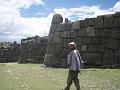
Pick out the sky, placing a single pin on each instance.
(26, 18)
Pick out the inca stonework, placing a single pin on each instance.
(33, 49)
(98, 40)
(11, 53)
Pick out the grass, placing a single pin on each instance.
(34, 77)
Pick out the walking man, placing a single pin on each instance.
(74, 63)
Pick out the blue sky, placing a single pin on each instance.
(51, 4)
(26, 18)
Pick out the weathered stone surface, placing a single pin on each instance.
(115, 33)
(57, 40)
(63, 62)
(84, 48)
(64, 34)
(116, 15)
(68, 26)
(76, 25)
(47, 59)
(79, 41)
(64, 53)
(108, 57)
(90, 31)
(116, 22)
(95, 48)
(61, 27)
(111, 43)
(90, 21)
(73, 34)
(57, 18)
(56, 49)
(57, 34)
(117, 57)
(53, 28)
(103, 32)
(81, 32)
(68, 34)
(83, 23)
(49, 49)
(108, 21)
(55, 61)
(86, 40)
(9, 52)
(66, 20)
(97, 40)
(93, 58)
(33, 49)
(51, 38)
(99, 22)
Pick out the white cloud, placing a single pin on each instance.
(15, 27)
(117, 7)
(12, 25)
(86, 11)
(83, 12)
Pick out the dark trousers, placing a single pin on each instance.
(72, 76)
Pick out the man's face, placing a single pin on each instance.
(70, 46)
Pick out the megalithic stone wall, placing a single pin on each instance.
(97, 39)
(10, 54)
(33, 49)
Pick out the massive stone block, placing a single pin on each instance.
(79, 41)
(68, 26)
(55, 61)
(61, 27)
(57, 18)
(108, 21)
(81, 32)
(111, 43)
(51, 38)
(95, 48)
(64, 53)
(73, 34)
(93, 58)
(90, 31)
(108, 57)
(117, 22)
(117, 57)
(53, 28)
(99, 22)
(116, 33)
(76, 25)
(116, 15)
(83, 23)
(64, 62)
(103, 32)
(97, 40)
(84, 48)
(86, 40)
(90, 21)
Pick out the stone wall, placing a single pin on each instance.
(33, 49)
(97, 39)
(10, 53)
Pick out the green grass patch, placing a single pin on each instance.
(34, 77)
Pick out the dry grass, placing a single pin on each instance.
(34, 77)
